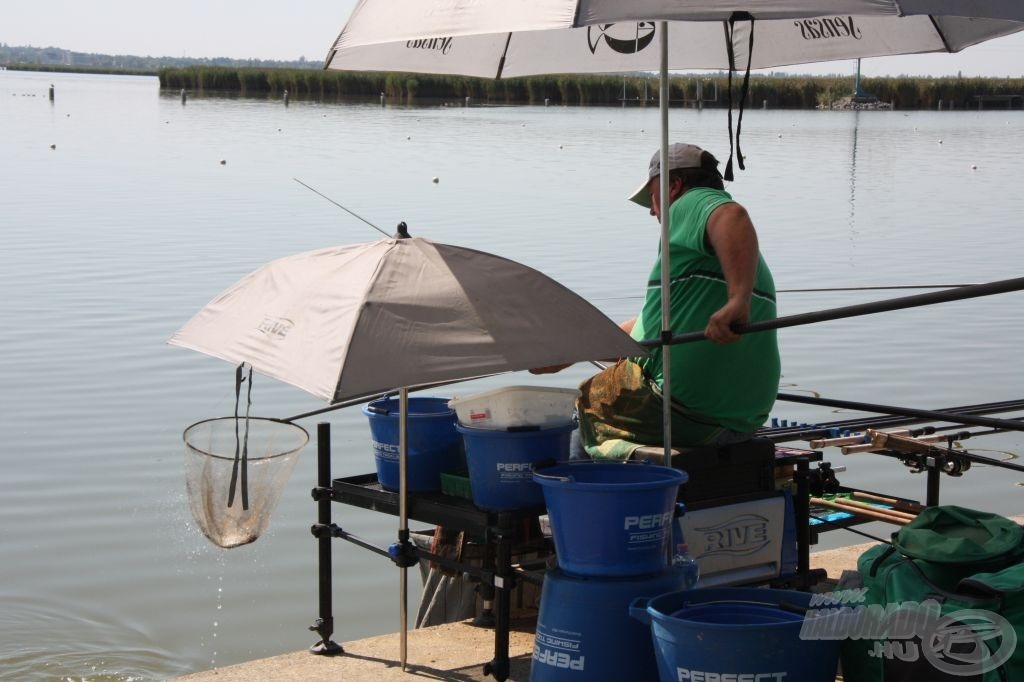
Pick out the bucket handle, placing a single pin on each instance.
(561, 479)
(377, 410)
(794, 608)
(638, 610)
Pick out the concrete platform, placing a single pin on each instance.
(456, 651)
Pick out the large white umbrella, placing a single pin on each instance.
(506, 38)
(356, 321)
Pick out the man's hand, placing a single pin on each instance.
(719, 324)
(550, 369)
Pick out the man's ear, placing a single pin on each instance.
(675, 188)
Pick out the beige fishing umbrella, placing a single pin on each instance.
(356, 321)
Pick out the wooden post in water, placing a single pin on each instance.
(184, 96)
(286, 97)
(51, 92)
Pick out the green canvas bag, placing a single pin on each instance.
(944, 602)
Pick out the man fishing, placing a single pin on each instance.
(721, 391)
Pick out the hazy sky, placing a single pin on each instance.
(277, 29)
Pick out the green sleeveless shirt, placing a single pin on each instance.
(733, 385)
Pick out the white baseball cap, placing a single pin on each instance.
(680, 155)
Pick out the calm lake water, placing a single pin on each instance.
(124, 212)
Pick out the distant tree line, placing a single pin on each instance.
(774, 91)
(30, 58)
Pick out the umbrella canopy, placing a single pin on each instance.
(497, 39)
(355, 321)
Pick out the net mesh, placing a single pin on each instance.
(235, 470)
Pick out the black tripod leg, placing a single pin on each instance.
(324, 625)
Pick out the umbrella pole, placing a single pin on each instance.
(403, 520)
(666, 329)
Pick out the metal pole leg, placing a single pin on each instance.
(503, 583)
(324, 625)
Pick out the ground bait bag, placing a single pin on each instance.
(943, 603)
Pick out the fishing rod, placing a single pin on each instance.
(901, 303)
(806, 431)
(874, 288)
(351, 213)
(928, 415)
(819, 290)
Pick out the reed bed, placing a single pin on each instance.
(775, 92)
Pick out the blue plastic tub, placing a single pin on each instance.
(585, 632)
(501, 463)
(611, 518)
(434, 446)
(735, 633)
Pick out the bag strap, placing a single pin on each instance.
(947, 595)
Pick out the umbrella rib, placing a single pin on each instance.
(942, 36)
(501, 62)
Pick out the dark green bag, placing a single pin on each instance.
(944, 602)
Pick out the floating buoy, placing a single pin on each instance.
(409, 137)
(974, 166)
(435, 180)
(642, 131)
(940, 141)
(53, 146)
(223, 162)
(780, 136)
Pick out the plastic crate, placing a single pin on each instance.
(456, 485)
(515, 407)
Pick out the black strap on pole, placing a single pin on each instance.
(730, 30)
(971, 291)
(245, 444)
(241, 441)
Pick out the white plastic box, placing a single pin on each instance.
(515, 407)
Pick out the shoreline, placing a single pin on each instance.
(454, 651)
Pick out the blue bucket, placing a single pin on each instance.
(433, 444)
(585, 632)
(736, 633)
(611, 518)
(501, 463)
